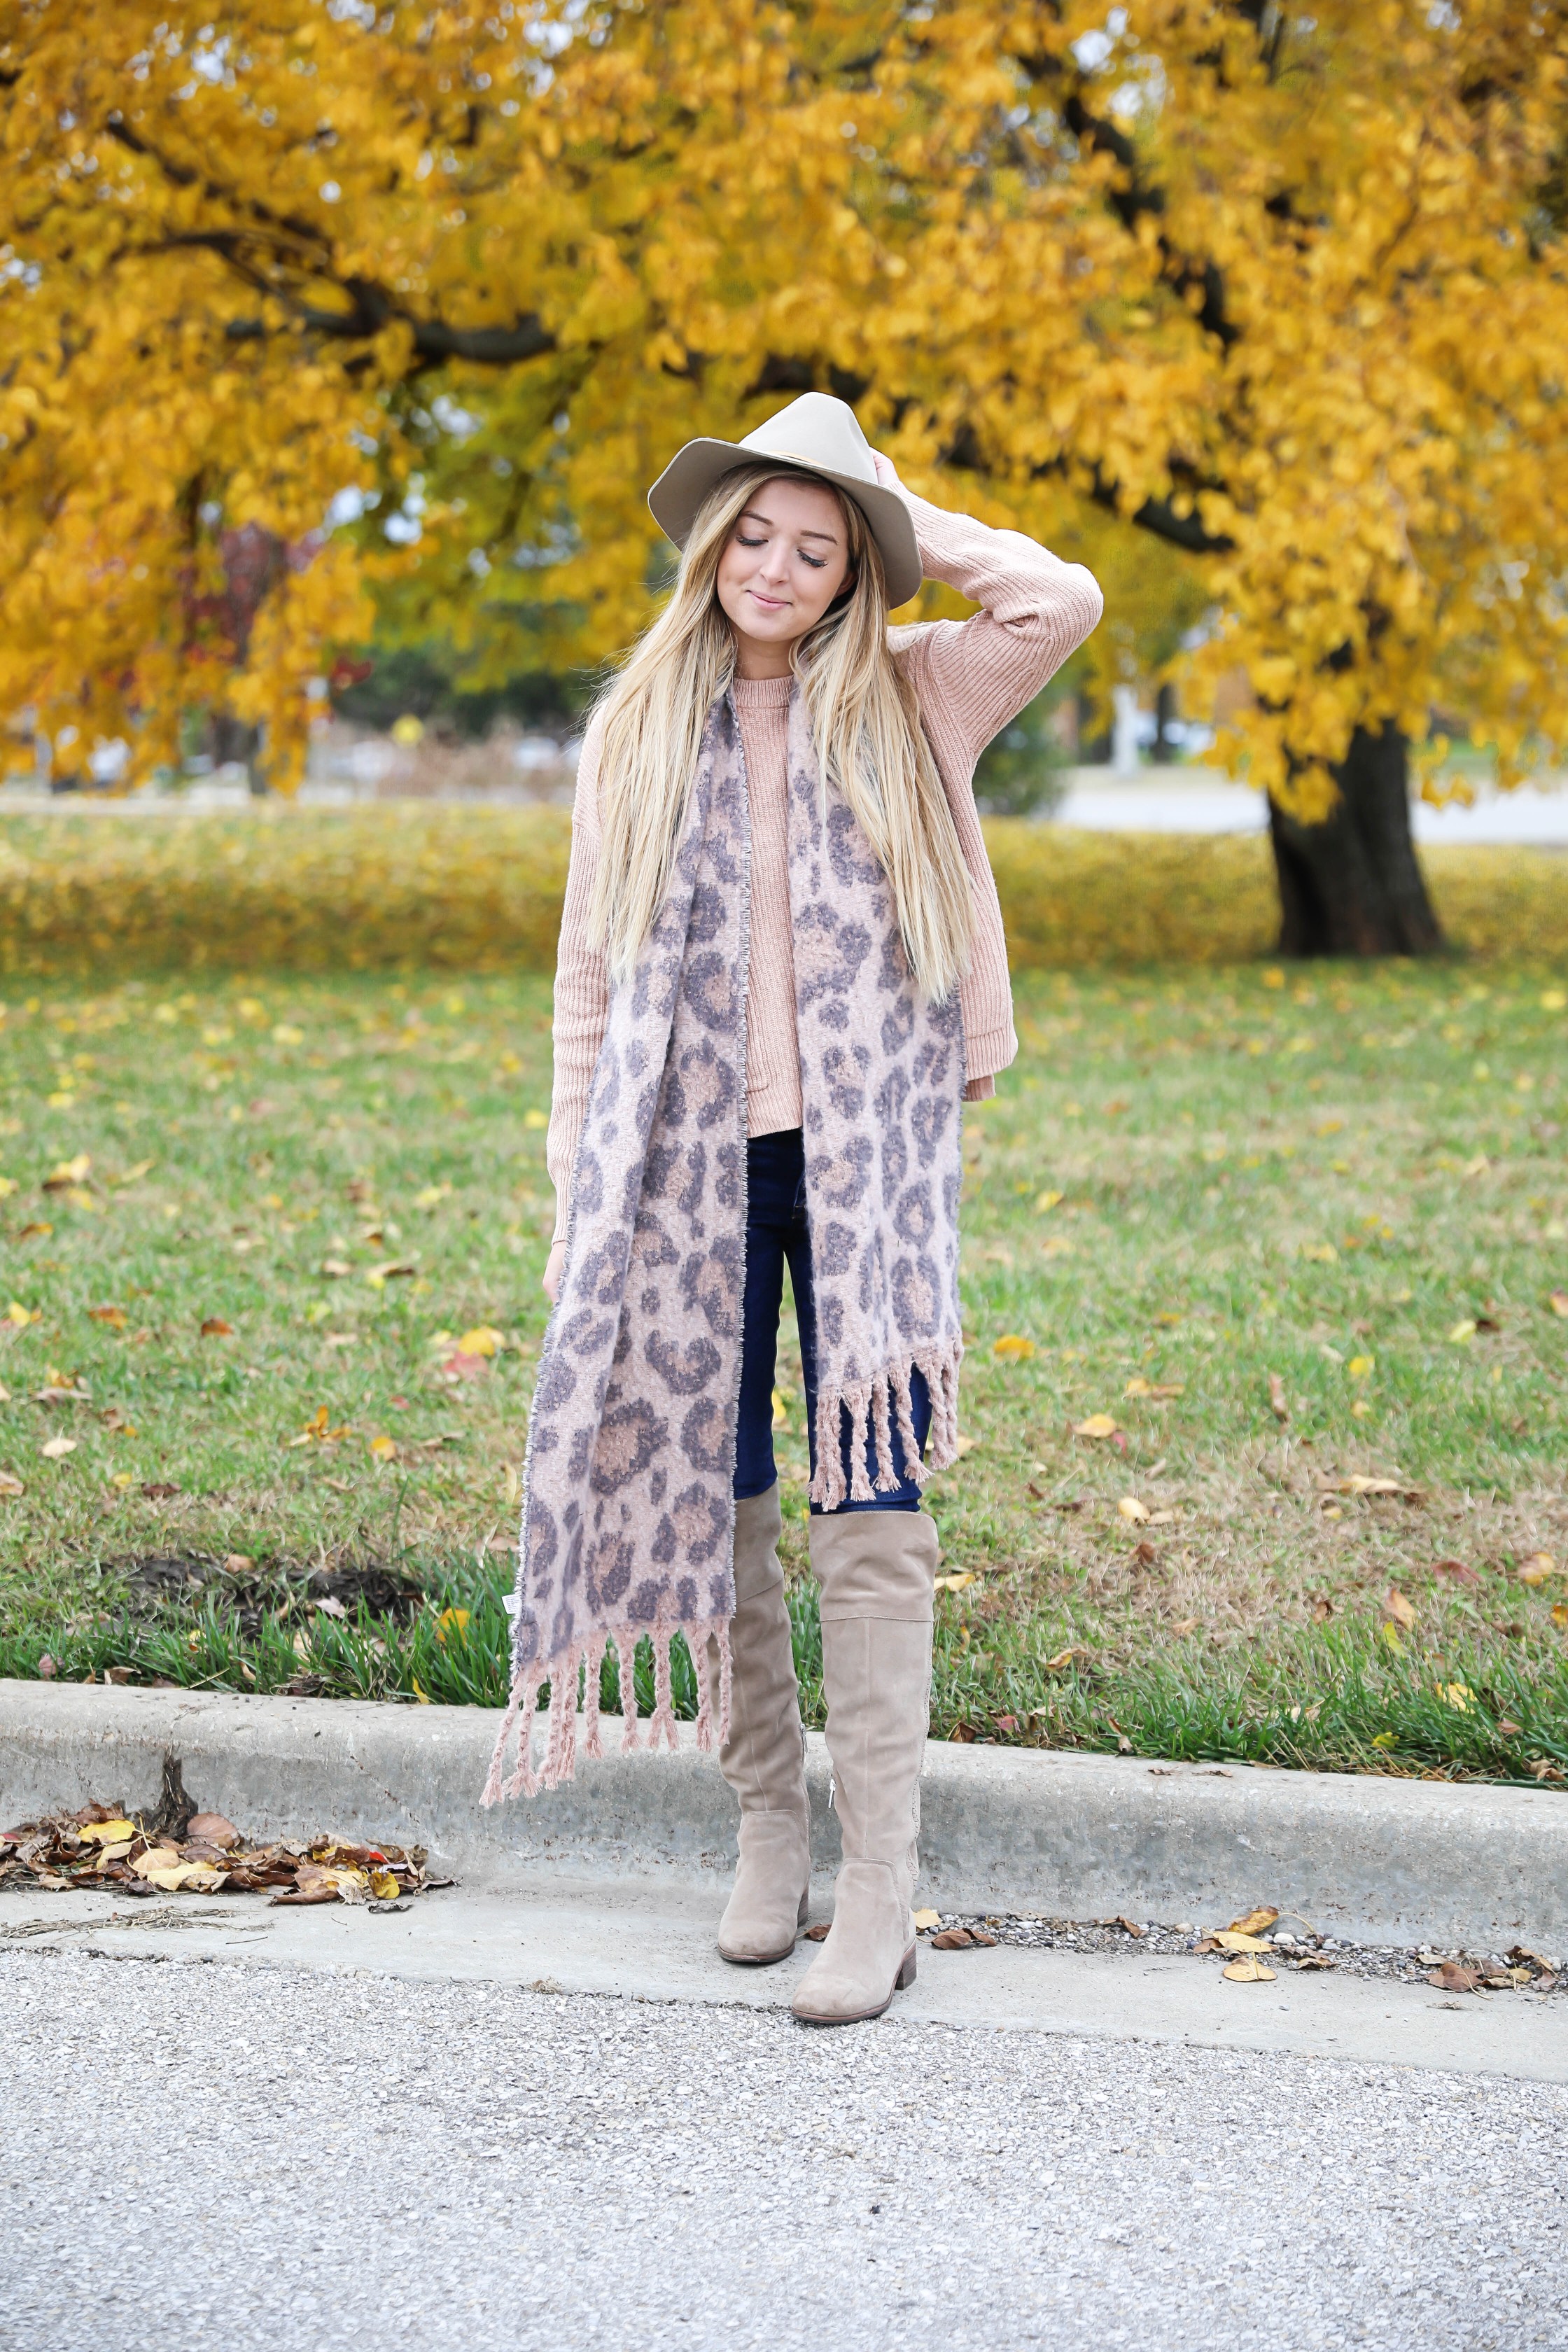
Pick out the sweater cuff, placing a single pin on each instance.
(979, 1089)
(988, 1050)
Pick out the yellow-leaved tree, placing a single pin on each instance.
(301, 299)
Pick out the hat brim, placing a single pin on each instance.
(692, 473)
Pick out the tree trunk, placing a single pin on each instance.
(239, 741)
(1164, 749)
(1351, 887)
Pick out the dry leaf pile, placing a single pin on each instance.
(101, 1847)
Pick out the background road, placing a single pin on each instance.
(198, 2154)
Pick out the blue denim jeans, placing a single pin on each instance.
(776, 1235)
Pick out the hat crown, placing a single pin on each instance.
(818, 431)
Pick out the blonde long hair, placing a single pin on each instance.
(864, 724)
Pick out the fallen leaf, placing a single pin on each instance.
(1537, 1568)
(1558, 1302)
(1138, 1387)
(1233, 1939)
(1452, 1976)
(58, 1448)
(109, 1832)
(480, 1341)
(214, 1328)
(10, 1485)
(1559, 1613)
(951, 1939)
(158, 1490)
(925, 1921)
(1507, 1728)
(1063, 1659)
(1129, 1508)
(1013, 1347)
(1459, 1696)
(1129, 1927)
(329, 1607)
(452, 1621)
(68, 1172)
(464, 1367)
(1098, 1425)
(394, 1270)
(212, 1829)
(1248, 1971)
(1044, 1200)
(1397, 1608)
(1184, 1625)
(113, 1316)
(384, 1448)
(1253, 1923)
(1456, 1570)
(1461, 1332)
(334, 1268)
(1276, 1398)
(1522, 1954)
(1360, 1366)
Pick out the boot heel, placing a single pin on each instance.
(907, 1973)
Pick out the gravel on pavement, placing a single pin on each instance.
(198, 2154)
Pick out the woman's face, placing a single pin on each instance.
(787, 558)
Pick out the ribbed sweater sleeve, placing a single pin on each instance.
(971, 677)
(582, 984)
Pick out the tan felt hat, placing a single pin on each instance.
(820, 434)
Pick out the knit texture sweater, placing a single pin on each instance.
(970, 678)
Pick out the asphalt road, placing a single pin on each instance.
(201, 2154)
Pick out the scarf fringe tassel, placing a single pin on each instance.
(875, 1409)
(558, 1761)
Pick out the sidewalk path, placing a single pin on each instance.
(1196, 800)
(201, 2153)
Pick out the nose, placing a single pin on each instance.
(774, 565)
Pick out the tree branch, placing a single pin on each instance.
(1159, 517)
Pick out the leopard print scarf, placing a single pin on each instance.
(628, 1515)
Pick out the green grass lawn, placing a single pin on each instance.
(1281, 1233)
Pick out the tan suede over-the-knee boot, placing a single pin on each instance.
(876, 1571)
(763, 1759)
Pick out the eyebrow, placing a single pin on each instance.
(752, 514)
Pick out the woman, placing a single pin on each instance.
(781, 968)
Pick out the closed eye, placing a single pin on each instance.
(818, 562)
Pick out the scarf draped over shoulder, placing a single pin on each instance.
(628, 1513)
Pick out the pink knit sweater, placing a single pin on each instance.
(969, 678)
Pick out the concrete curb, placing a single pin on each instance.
(1060, 1834)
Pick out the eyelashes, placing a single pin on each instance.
(818, 562)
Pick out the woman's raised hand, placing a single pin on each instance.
(552, 1266)
(886, 473)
